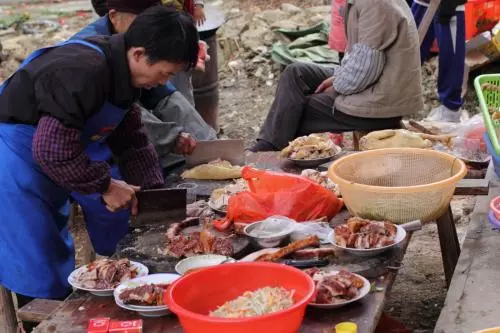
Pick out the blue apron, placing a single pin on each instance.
(35, 245)
(105, 228)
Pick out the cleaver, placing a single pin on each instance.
(160, 206)
(232, 151)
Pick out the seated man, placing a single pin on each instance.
(376, 84)
(172, 116)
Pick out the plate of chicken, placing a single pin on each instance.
(102, 276)
(366, 238)
(145, 295)
(335, 289)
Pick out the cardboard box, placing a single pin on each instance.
(98, 325)
(128, 326)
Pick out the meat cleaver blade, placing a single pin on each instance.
(160, 206)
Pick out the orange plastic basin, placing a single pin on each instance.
(194, 295)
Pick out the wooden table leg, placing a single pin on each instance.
(8, 320)
(450, 247)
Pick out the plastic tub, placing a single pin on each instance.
(193, 296)
(480, 16)
(397, 184)
(495, 207)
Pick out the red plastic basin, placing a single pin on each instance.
(194, 295)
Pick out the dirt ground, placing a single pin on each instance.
(247, 84)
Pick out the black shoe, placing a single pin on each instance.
(262, 145)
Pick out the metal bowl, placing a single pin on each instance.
(267, 241)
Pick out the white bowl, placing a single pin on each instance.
(146, 311)
(400, 236)
(361, 294)
(141, 271)
(205, 260)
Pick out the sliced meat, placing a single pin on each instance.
(223, 246)
(145, 295)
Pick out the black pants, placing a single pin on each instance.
(297, 111)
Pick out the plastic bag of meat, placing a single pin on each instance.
(273, 193)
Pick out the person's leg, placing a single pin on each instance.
(451, 39)
(419, 8)
(297, 82)
(183, 84)
(319, 117)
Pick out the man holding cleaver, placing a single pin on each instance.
(61, 101)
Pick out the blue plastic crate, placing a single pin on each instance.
(494, 157)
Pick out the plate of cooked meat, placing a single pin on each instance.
(145, 294)
(366, 238)
(311, 150)
(335, 289)
(102, 276)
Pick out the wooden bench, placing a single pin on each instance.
(38, 310)
(473, 298)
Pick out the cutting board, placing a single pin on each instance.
(147, 244)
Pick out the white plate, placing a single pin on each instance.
(400, 236)
(205, 260)
(361, 294)
(146, 311)
(254, 255)
(212, 207)
(141, 271)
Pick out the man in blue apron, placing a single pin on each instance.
(107, 228)
(60, 102)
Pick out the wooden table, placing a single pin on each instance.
(448, 239)
(74, 313)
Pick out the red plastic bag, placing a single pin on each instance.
(337, 39)
(273, 193)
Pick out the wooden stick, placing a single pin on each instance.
(420, 127)
(427, 20)
(8, 320)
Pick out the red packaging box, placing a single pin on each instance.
(128, 326)
(98, 325)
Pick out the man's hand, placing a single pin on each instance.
(185, 144)
(121, 195)
(199, 14)
(325, 86)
